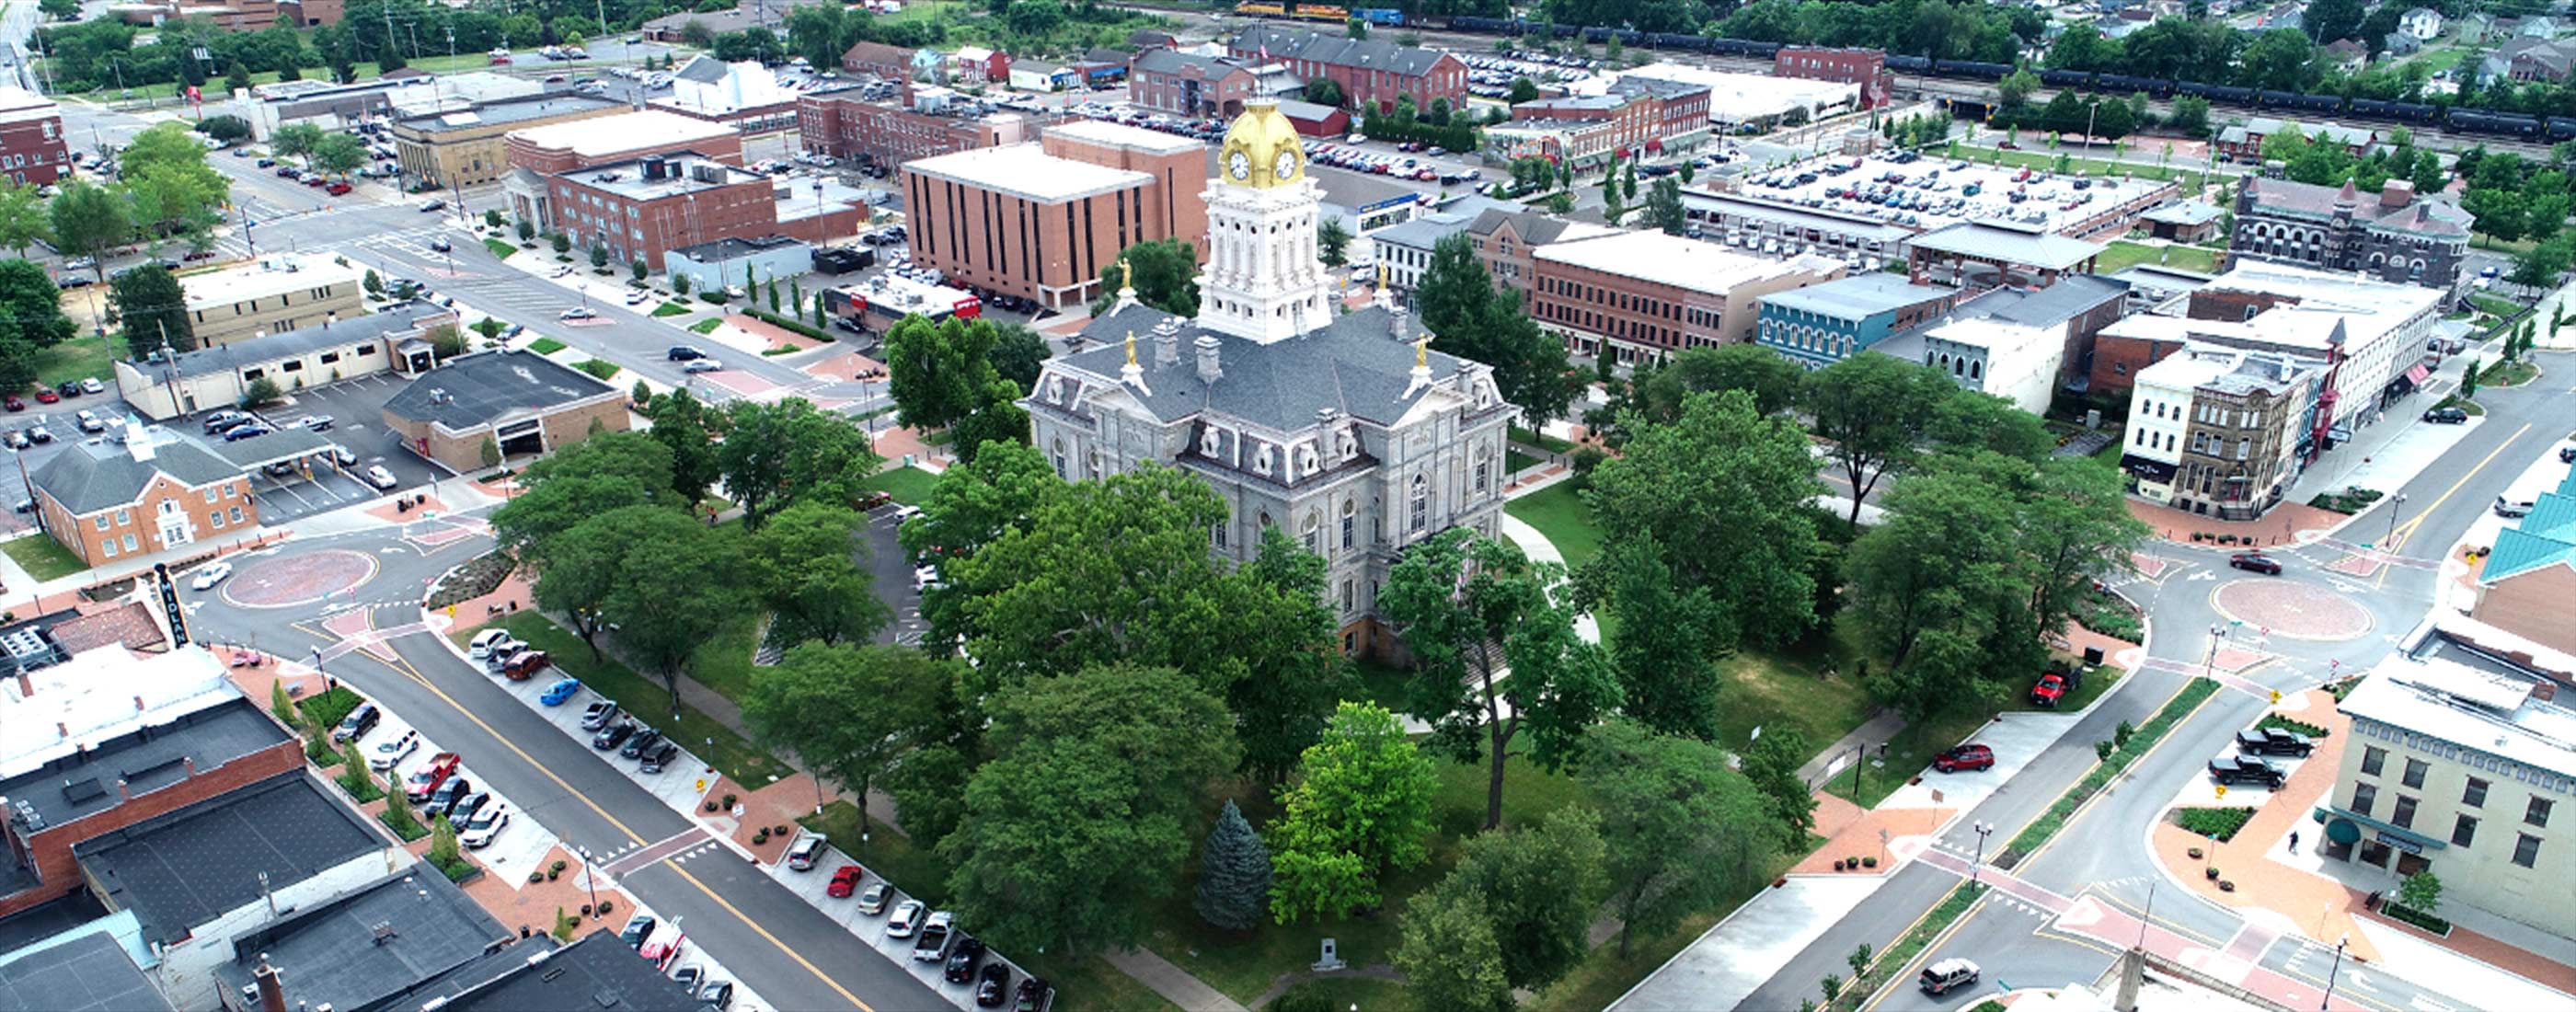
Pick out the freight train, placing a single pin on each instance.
(1333, 13)
(2550, 129)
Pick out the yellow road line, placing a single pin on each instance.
(1926, 951)
(772, 939)
(2407, 529)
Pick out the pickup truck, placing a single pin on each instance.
(2273, 741)
(931, 944)
(426, 779)
(2233, 769)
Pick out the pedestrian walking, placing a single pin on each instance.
(2294, 841)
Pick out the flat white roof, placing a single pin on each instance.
(1139, 138)
(1735, 97)
(14, 101)
(2491, 713)
(1026, 170)
(624, 132)
(1668, 260)
(100, 694)
(2327, 289)
(272, 274)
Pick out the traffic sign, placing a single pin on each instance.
(2222, 790)
(2276, 697)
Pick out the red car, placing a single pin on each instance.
(844, 882)
(2051, 688)
(48, 397)
(336, 189)
(425, 780)
(1964, 757)
(15, 404)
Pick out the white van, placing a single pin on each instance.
(481, 646)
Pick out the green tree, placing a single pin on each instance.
(261, 393)
(31, 311)
(679, 584)
(1771, 379)
(1359, 807)
(236, 78)
(1468, 318)
(1771, 766)
(1165, 277)
(1018, 354)
(2421, 892)
(88, 221)
(938, 372)
(778, 453)
(1079, 821)
(1325, 91)
(225, 129)
(853, 712)
(296, 140)
(2469, 381)
(1333, 239)
(2542, 264)
(1664, 656)
(1873, 411)
(24, 218)
(442, 842)
(2190, 115)
(997, 418)
(1680, 829)
(2015, 89)
(1449, 952)
(166, 177)
(1523, 90)
(1472, 609)
(1664, 206)
(804, 569)
(1968, 419)
(154, 310)
(592, 477)
(599, 261)
(685, 426)
(971, 507)
(1234, 874)
(1541, 885)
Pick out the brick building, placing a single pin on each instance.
(842, 124)
(1506, 243)
(1647, 295)
(237, 15)
(1188, 84)
(640, 208)
(2243, 142)
(31, 138)
(2393, 236)
(2216, 431)
(1864, 67)
(448, 148)
(1372, 74)
(103, 501)
(877, 59)
(278, 293)
(112, 740)
(1637, 114)
(563, 147)
(525, 404)
(1042, 220)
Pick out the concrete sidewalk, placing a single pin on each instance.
(1173, 983)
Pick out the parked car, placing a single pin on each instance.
(392, 751)
(645, 738)
(660, 756)
(598, 714)
(91, 385)
(872, 898)
(2256, 562)
(211, 574)
(577, 313)
(845, 880)
(486, 824)
(44, 396)
(467, 806)
(561, 690)
(683, 353)
(906, 919)
(487, 644)
(525, 664)
(930, 944)
(1964, 757)
(992, 985)
(445, 796)
(432, 204)
(359, 721)
(15, 404)
(336, 189)
(613, 735)
(963, 958)
(702, 365)
(716, 994)
(1946, 976)
(317, 423)
(2505, 505)
(250, 431)
(39, 434)
(2051, 688)
(807, 849)
(441, 246)
(2274, 741)
(638, 928)
(2238, 769)
(381, 478)
(1033, 995)
(690, 976)
(2447, 416)
(431, 774)
(221, 420)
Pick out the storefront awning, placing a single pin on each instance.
(2403, 839)
(2149, 470)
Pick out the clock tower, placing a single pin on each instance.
(1264, 279)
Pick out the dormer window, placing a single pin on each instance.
(1055, 388)
(1261, 460)
(1209, 444)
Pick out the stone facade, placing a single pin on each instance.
(2394, 236)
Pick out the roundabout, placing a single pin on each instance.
(2294, 610)
(287, 581)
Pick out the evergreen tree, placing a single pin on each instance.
(1234, 874)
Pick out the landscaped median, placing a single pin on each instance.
(2181, 705)
(1900, 953)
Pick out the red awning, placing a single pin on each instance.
(2417, 374)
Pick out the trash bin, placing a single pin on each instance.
(2092, 656)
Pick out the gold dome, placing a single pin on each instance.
(1262, 149)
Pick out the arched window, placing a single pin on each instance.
(1314, 535)
(1350, 519)
(1056, 451)
(1976, 370)
(1421, 504)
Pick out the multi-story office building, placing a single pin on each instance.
(909, 124)
(1822, 324)
(1642, 295)
(2216, 430)
(278, 293)
(31, 138)
(1635, 114)
(1188, 84)
(1042, 220)
(451, 148)
(2394, 236)
(1864, 67)
(2459, 765)
(1372, 74)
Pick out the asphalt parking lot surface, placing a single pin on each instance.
(1930, 193)
(357, 423)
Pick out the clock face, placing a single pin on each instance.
(1286, 167)
(1239, 163)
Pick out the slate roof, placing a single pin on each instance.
(87, 974)
(2421, 215)
(183, 869)
(1354, 365)
(329, 952)
(1170, 61)
(94, 476)
(1534, 228)
(260, 351)
(703, 70)
(2055, 304)
(1334, 50)
(598, 972)
(2546, 537)
(2189, 212)
(1421, 233)
(1857, 296)
(477, 389)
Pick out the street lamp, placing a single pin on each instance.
(1983, 830)
(2395, 507)
(2330, 973)
(589, 875)
(2209, 665)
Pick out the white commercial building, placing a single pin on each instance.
(278, 293)
(1736, 98)
(2295, 310)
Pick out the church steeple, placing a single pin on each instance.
(1264, 278)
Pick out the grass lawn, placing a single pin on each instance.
(909, 485)
(645, 697)
(706, 326)
(1541, 440)
(2508, 374)
(2494, 304)
(78, 358)
(1789, 690)
(503, 250)
(1561, 514)
(2047, 160)
(670, 309)
(724, 662)
(599, 368)
(2124, 254)
(545, 346)
(43, 557)
(1514, 460)
(365, 71)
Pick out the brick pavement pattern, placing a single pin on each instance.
(287, 581)
(2274, 607)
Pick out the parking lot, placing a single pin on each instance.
(355, 408)
(1924, 193)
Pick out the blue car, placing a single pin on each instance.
(561, 690)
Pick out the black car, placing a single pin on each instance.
(466, 807)
(992, 985)
(69, 388)
(2273, 741)
(2567, 455)
(613, 735)
(683, 353)
(2447, 416)
(444, 799)
(644, 739)
(1033, 995)
(638, 928)
(357, 723)
(659, 756)
(2236, 769)
(2255, 562)
(963, 958)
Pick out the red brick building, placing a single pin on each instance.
(31, 138)
(841, 124)
(1186, 84)
(1041, 221)
(563, 147)
(639, 208)
(1637, 115)
(106, 502)
(1864, 67)
(1372, 74)
(894, 63)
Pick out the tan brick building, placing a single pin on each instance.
(535, 153)
(470, 147)
(842, 124)
(106, 502)
(1639, 295)
(1042, 220)
(278, 293)
(525, 404)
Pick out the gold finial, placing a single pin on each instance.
(1127, 273)
(1381, 275)
(1131, 348)
(1422, 352)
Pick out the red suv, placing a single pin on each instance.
(1964, 757)
(2051, 688)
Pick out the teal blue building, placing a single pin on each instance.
(1820, 325)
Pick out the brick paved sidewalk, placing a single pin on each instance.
(2283, 526)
